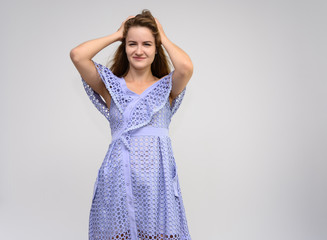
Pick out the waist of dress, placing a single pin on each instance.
(144, 131)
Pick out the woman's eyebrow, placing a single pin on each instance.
(131, 41)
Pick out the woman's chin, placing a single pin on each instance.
(140, 66)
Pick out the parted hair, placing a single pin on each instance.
(160, 65)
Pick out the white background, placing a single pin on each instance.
(249, 138)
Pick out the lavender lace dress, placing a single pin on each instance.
(137, 194)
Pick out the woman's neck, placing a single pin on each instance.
(139, 75)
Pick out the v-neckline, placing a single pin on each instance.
(145, 91)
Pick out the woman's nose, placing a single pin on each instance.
(139, 50)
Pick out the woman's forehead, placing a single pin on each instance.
(139, 33)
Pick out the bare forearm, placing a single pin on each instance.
(89, 49)
(179, 58)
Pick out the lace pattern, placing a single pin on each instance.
(96, 99)
(136, 194)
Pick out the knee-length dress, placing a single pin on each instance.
(136, 193)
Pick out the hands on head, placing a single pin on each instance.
(121, 28)
(160, 28)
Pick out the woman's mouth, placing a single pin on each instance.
(138, 58)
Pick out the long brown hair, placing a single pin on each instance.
(160, 65)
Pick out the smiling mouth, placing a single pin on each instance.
(138, 58)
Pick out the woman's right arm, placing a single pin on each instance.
(81, 57)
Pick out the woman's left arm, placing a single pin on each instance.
(181, 61)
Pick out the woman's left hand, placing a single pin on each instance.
(161, 31)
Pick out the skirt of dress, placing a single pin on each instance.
(137, 193)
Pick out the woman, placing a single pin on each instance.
(137, 194)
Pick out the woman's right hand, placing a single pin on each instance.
(120, 31)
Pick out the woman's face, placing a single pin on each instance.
(140, 47)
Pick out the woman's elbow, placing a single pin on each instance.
(74, 55)
(187, 69)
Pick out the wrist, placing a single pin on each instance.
(118, 36)
(164, 39)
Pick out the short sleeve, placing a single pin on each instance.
(177, 101)
(95, 98)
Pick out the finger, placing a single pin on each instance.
(130, 17)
